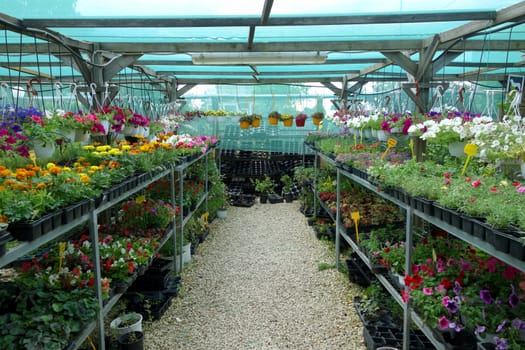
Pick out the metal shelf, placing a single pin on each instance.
(409, 314)
(25, 248)
(91, 219)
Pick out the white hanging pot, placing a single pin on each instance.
(130, 130)
(126, 323)
(69, 135)
(44, 150)
(82, 136)
(382, 135)
(456, 149)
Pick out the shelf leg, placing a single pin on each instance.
(408, 269)
(93, 231)
(337, 220)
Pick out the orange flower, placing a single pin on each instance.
(55, 170)
(40, 185)
(5, 173)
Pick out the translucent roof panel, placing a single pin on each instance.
(126, 8)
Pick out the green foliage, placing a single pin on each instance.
(287, 182)
(265, 185)
(321, 266)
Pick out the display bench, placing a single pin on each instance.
(108, 200)
(411, 211)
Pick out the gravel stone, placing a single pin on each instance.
(255, 284)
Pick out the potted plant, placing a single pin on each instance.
(300, 119)
(287, 119)
(127, 323)
(274, 117)
(317, 117)
(287, 182)
(245, 121)
(264, 187)
(256, 120)
(131, 341)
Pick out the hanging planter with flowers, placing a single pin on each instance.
(317, 117)
(300, 119)
(273, 117)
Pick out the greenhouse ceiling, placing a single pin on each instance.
(333, 42)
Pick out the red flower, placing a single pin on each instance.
(91, 282)
(516, 184)
(447, 175)
(493, 189)
(445, 282)
(476, 183)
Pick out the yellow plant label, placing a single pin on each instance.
(411, 146)
(61, 249)
(140, 199)
(434, 255)
(355, 216)
(32, 156)
(320, 125)
(391, 142)
(471, 149)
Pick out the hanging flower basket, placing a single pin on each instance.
(288, 122)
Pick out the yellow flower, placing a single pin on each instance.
(50, 165)
(94, 168)
(504, 183)
(115, 152)
(85, 178)
(89, 147)
(104, 153)
(126, 147)
(66, 168)
(103, 148)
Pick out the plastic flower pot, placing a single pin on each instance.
(273, 120)
(131, 341)
(244, 124)
(299, 122)
(256, 123)
(288, 122)
(126, 323)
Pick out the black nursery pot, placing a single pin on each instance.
(131, 341)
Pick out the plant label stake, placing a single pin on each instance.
(61, 249)
(389, 144)
(140, 199)
(32, 156)
(411, 146)
(355, 217)
(355, 140)
(470, 150)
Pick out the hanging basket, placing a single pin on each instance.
(256, 123)
(317, 121)
(299, 123)
(244, 124)
(44, 150)
(273, 120)
(288, 122)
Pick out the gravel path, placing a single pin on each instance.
(255, 284)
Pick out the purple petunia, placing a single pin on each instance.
(501, 326)
(484, 294)
(513, 298)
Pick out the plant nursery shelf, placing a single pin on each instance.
(412, 209)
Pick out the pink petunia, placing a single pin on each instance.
(476, 183)
(521, 189)
(428, 291)
(443, 322)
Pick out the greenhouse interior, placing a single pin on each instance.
(262, 175)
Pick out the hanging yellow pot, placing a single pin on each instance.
(244, 124)
(273, 120)
(288, 122)
(256, 123)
